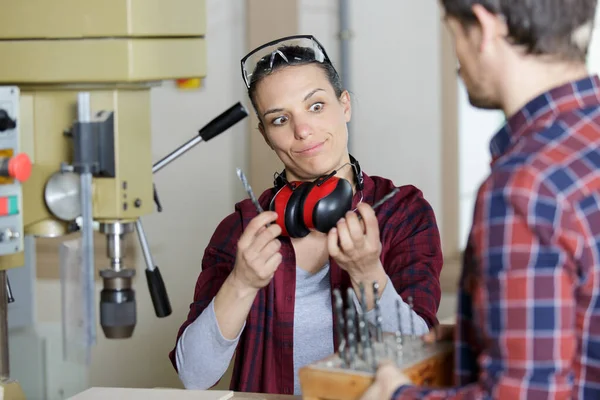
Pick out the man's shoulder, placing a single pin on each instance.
(554, 160)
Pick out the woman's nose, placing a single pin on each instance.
(302, 130)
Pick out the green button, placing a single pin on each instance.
(13, 205)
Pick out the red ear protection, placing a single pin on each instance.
(306, 206)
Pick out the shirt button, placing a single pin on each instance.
(289, 298)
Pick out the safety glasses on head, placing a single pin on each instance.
(289, 49)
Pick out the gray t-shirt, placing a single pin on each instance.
(203, 354)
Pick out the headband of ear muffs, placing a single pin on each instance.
(319, 205)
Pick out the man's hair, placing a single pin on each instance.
(559, 28)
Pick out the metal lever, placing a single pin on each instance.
(220, 124)
(156, 199)
(9, 294)
(156, 285)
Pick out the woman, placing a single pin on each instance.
(265, 290)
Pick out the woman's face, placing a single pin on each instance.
(303, 120)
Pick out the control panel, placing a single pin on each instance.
(15, 168)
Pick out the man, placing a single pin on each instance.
(528, 324)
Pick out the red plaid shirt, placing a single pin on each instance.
(529, 307)
(411, 255)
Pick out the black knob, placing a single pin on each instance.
(6, 122)
(158, 293)
(156, 199)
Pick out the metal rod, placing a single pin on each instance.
(87, 227)
(399, 328)
(174, 155)
(4, 361)
(340, 323)
(363, 323)
(144, 245)
(9, 294)
(412, 318)
(350, 332)
(378, 317)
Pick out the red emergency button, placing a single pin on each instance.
(19, 167)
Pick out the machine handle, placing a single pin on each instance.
(224, 121)
(156, 199)
(9, 294)
(158, 292)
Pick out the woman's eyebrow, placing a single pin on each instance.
(308, 96)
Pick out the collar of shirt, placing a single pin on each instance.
(544, 108)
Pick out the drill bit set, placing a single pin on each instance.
(362, 344)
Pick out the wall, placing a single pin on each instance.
(267, 20)
(320, 19)
(397, 90)
(476, 127)
(196, 192)
(594, 55)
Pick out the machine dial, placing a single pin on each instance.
(17, 167)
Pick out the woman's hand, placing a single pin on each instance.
(258, 253)
(355, 245)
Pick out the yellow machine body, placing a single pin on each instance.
(116, 50)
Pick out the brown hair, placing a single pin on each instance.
(543, 27)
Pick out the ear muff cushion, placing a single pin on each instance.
(278, 204)
(314, 196)
(293, 212)
(330, 208)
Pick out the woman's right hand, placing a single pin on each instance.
(258, 253)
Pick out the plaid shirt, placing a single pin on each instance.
(529, 308)
(411, 255)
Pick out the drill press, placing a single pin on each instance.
(75, 101)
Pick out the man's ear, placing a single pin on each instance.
(346, 103)
(491, 27)
(261, 128)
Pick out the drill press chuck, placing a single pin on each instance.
(117, 304)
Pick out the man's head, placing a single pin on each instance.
(498, 40)
(302, 109)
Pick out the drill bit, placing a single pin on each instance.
(378, 318)
(412, 319)
(399, 330)
(382, 200)
(351, 329)
(385, 198)
(248, 189)
(363, 324)
(340, 325)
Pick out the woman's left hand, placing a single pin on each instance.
(356, 247)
